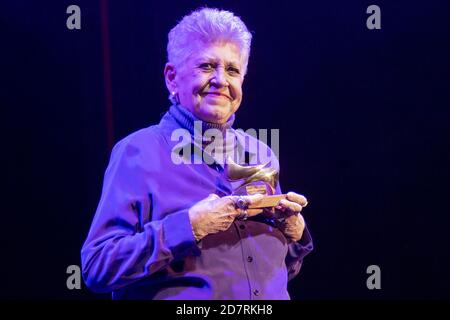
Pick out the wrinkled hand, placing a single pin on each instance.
(214, 214)
(290, 208)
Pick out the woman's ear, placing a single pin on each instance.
(169, 75)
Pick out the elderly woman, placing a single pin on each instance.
(170, 230)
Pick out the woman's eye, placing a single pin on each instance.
(206, 66)
(233, 71)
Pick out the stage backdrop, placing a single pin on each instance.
(363, 116)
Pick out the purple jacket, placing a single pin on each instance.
(141, 245)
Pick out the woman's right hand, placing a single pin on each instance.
(214, 214)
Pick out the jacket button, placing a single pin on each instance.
(256, 292)
(241, 226)
(249, 259)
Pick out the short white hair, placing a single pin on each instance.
(208, 25)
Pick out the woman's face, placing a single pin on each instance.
(209, 83)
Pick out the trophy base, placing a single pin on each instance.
(267, 202)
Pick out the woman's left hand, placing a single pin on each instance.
(293, 224)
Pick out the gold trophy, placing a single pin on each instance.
(255, 179)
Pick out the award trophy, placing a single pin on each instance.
(255, 179)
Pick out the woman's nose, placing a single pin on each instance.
(220, 78)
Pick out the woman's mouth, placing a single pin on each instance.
(217, 95)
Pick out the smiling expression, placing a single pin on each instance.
(209, 83)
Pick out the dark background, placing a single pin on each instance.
(363, 118)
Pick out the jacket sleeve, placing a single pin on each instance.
(120, 249)
(297, 250)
